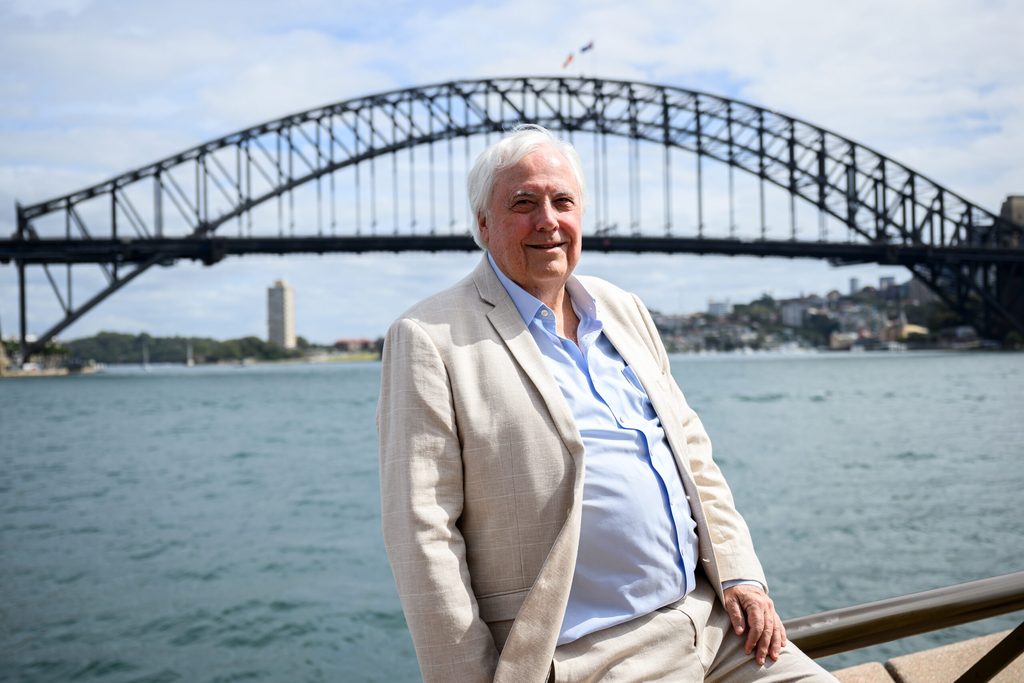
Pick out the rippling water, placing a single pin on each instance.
(221, 524)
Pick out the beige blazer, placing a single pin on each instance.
(482, 477)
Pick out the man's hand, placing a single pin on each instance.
(753, 613)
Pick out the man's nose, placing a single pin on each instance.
(548, 218)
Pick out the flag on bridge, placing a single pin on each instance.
(572, 55)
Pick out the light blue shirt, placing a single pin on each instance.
(638, 541)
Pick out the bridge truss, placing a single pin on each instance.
(379, 173)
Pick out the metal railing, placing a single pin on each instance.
(851, 628)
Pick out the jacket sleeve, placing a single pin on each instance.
(733, 547)
(421, 502)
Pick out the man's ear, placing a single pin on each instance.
(481, 222)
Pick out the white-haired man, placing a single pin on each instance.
(550, 507)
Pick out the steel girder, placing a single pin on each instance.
(198, 191)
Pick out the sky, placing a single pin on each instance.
(90, 89)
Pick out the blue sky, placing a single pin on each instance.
(91, 89)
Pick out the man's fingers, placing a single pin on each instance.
(778, 640)
(735, 615)
(753, 612)
(765, 641)
(755, 620)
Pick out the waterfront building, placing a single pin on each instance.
(842, 341)
(358, 345)
(281, 315)
(793, 313)
(861, 319)
(888, 289)
(718, 309)
(898, 330)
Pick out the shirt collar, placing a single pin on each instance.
(529, 306)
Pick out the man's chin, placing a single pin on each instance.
(550, 273)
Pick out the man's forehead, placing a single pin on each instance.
(528, 177)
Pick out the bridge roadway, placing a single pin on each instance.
(212, 249)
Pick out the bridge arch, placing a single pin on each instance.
(968, 255)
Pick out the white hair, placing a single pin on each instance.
(521, 141)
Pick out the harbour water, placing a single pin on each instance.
(221, 523)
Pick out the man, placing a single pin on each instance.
(550, 507)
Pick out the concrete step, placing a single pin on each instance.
(938, 665)
(869, 672)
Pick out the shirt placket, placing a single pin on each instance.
(661, 462)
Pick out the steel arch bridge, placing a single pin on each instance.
(237, 194)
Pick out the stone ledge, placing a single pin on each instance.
(869, 672)
(938, 665)
(947, 663)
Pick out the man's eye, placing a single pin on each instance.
(565, 201)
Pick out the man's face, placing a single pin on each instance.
(532, 223)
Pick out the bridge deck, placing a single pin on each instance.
(213, 249)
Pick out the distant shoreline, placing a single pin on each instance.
(370, 356)
(321, 359)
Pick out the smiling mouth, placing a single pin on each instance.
(546, 246)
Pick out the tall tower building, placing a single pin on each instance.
(281, 315)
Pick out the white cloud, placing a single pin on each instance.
(301, 68)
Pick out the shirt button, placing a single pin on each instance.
(544, 313)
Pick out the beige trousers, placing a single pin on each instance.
(691, 640)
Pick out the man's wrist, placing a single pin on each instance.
(731, 583)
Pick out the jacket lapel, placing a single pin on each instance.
(505, 318)
(644, 364)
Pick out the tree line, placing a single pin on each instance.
(115, 347)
